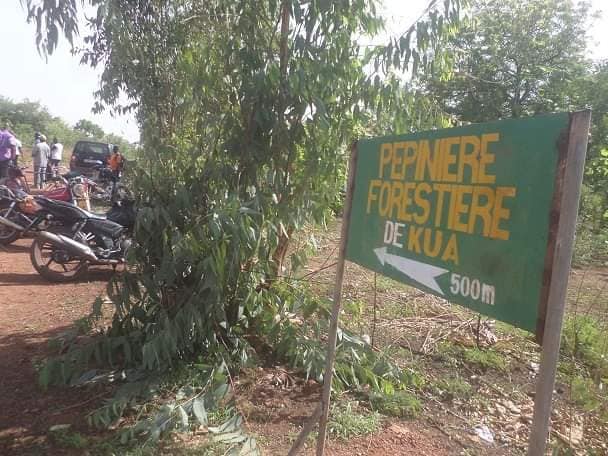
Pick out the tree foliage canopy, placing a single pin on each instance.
(247, 110)
(515, 58)
(28, 117)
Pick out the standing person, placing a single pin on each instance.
(18, 148)
(8, 147)
(56, 155)
(40, 153)
(116, 162)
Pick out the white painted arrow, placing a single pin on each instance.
(420, 272)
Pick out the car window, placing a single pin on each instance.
(95, 148)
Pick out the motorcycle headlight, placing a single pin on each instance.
(29, 205)
(79, 190)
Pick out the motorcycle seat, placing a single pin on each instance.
(94, 216)
(104, 227)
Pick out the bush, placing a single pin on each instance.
(585, 340)
(453, 388)
(486, 359)
(401, 404)
(347, 421)
(590, 247)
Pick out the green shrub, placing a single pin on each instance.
(68, 439)
(486, 359)
(348, 421)
(401, 404)
(451, 388)
(585, 340)
(584, 393)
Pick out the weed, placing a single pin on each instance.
(584, 340)
(219, 416)
(485, 359)
(401, 404)
(354, 309)
(590, 247)
(451, 388)
(348, 421)
(83, 325)
(448, 353)
(113, 448)
(68, 439)
(584, 393)
(311, 438)
(384, 284)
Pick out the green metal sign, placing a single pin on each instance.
(467, 213)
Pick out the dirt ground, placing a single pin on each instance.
(33, 311)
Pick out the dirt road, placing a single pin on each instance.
(33, 311)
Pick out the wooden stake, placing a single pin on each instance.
(570, 194)
(335, 312)
(322, 410)
(373, 341)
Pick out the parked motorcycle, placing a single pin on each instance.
(72, 188)
(64, 255)
(108, 187)
(20, 214)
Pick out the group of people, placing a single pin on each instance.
(10, 149)
(46, 158)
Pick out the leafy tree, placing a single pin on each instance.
(515, 58)
(592, 91)
(247, 110)
(523, 57)
(89, 129)
(27, 117)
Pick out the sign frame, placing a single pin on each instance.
(564, 210)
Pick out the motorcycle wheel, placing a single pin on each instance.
(7, 235)
(48, 262)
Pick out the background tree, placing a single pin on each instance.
(247, 110)
(27, 117)
(515, 58)
(520, 58)
(89, 129)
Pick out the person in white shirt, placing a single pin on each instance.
(40, 153)
(56, 155)
(17, 152)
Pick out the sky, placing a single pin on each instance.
(66, 88)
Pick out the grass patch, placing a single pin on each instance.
(451, 388)
(584, 394)
(385, 284)
(349, 421)
(590, 248)
(584, 340)
(485, 359)
(402, 404)
(69, 439)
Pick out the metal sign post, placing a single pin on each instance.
(482, 216)
(569, 194)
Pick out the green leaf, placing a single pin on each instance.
(198, 408)
(183, 416)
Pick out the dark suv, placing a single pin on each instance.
(88, 156)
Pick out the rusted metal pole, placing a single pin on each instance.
(570, 194)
